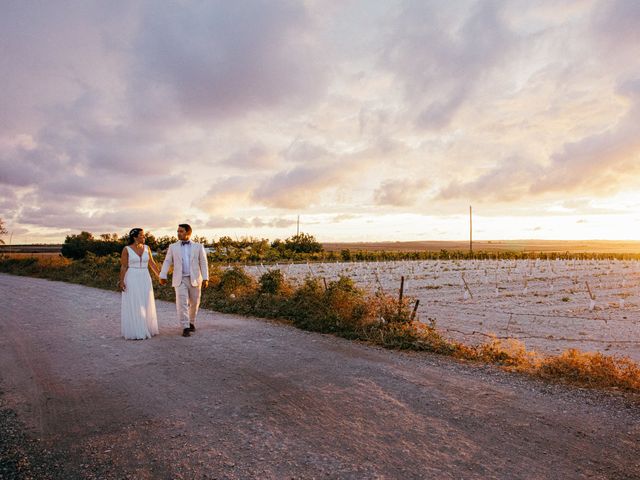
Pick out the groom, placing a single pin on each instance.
(190, 271)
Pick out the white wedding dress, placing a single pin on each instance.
(139, 320)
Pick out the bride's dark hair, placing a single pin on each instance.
(133, 233)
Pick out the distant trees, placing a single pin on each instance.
(163, 243)
(199, 239)
(297, 247)
(302, 247)
(303, 243)
(77, 246)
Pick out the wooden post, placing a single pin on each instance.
(592, 302)
(415, 309)
(591, 295)
(379, 282)
(466, 286)
(400, 295)
(298, 227)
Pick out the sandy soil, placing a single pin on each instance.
(245, 398)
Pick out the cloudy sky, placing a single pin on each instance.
(371, 119)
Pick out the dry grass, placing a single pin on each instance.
(592, 370)
(587, 369)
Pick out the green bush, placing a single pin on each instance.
(347, 305)
(272, 282)
(235, 281)
(306, 308)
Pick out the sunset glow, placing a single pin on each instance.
(372, 120)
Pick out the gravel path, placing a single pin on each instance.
(245, 398)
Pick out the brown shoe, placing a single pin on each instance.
(192, 327)
(186, 332)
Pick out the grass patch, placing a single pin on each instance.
(341, 308)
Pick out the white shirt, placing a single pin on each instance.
(185, 251)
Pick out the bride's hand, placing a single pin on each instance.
(122, 286)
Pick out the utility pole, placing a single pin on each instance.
(298, 228)
(470, 230)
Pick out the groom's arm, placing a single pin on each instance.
(168, 260)
(204, 265)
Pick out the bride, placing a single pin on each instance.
(139, 320)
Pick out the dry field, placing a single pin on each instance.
(572, 246)
(30, 254)
(549, 305)
(36, 248)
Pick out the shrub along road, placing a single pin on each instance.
(246, 398)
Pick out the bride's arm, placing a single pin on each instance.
(168, 261)
(124, 266)
(153, 264)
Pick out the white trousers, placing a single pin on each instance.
(187, 302)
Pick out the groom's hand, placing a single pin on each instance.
(163, 281)
(205, 283)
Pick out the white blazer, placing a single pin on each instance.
(197, 262)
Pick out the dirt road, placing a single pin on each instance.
(246, 398)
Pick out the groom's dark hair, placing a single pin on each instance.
(186, 226)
